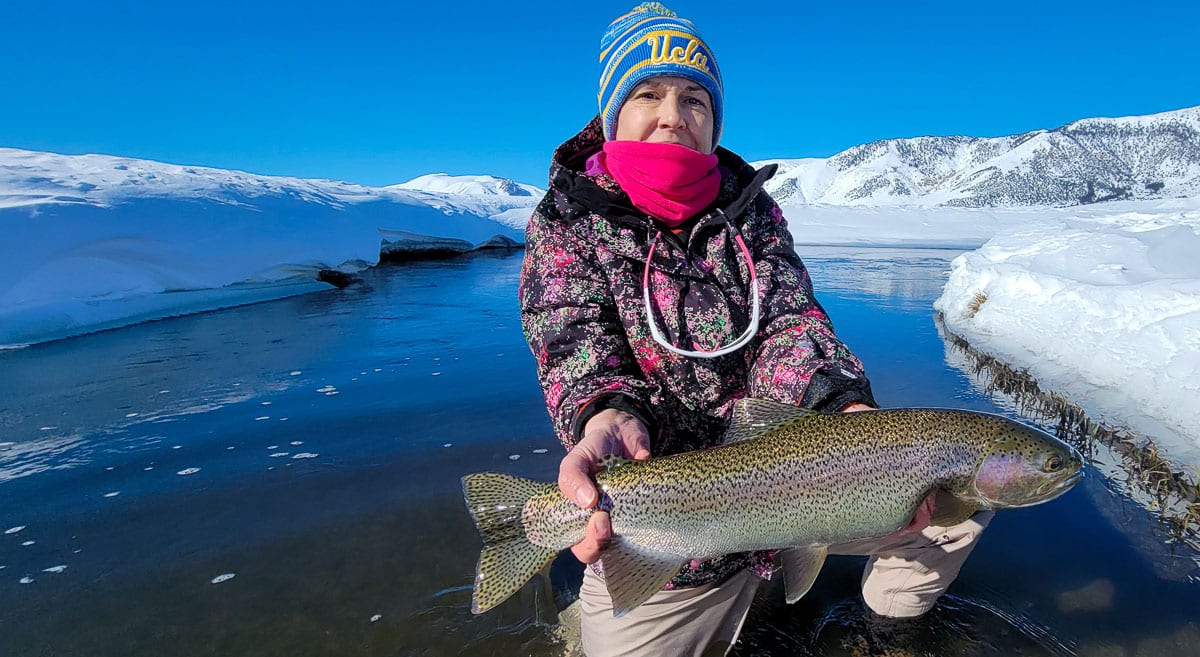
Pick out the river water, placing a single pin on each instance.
(283, 479)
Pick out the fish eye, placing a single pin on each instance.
(1053, 464)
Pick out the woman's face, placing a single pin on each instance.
(668, 110)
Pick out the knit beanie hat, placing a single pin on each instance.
(651, 41)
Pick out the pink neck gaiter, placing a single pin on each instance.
(669, 182)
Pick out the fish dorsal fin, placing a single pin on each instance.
(800, 568)
(949, 510)
(752, 418)
(634, 573)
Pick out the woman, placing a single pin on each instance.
(660, 285)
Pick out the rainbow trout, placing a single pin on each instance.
(784, 478)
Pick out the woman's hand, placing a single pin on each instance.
(608, 432)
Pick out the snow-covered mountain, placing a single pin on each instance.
(93, 241)
(440, 183)
(1087, 161)
(29, 178)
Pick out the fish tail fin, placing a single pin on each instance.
(508, 559)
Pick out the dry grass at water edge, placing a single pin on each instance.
(1174, 493)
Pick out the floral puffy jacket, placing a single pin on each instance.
(584, 316)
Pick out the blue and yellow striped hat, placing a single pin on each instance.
(647, 42)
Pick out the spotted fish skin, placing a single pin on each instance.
(794, 478)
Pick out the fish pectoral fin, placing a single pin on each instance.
(800, 568)
(752, 418)
(633, 573)
(949, 510)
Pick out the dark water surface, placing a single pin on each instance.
(312, 448)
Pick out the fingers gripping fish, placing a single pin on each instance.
(784, 478)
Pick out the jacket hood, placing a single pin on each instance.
(740, 182)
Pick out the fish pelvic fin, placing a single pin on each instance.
(800, 568)
(752, 418)
(633, 573)
(950, 510)
(508, 559)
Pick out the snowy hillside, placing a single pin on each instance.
(94, 241)
(440, 183)
(1092, 160)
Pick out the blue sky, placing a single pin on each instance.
(381, 93)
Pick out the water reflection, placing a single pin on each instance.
(884, 275)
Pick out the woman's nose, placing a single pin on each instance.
(670, 113)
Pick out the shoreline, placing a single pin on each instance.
(1163, 487)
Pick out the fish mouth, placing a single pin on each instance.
(1044, 493)
(1053, 489)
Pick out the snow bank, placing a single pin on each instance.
(1101, 304)
(93, 242)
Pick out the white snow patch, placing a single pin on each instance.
(94, 241)
(1099, 304)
